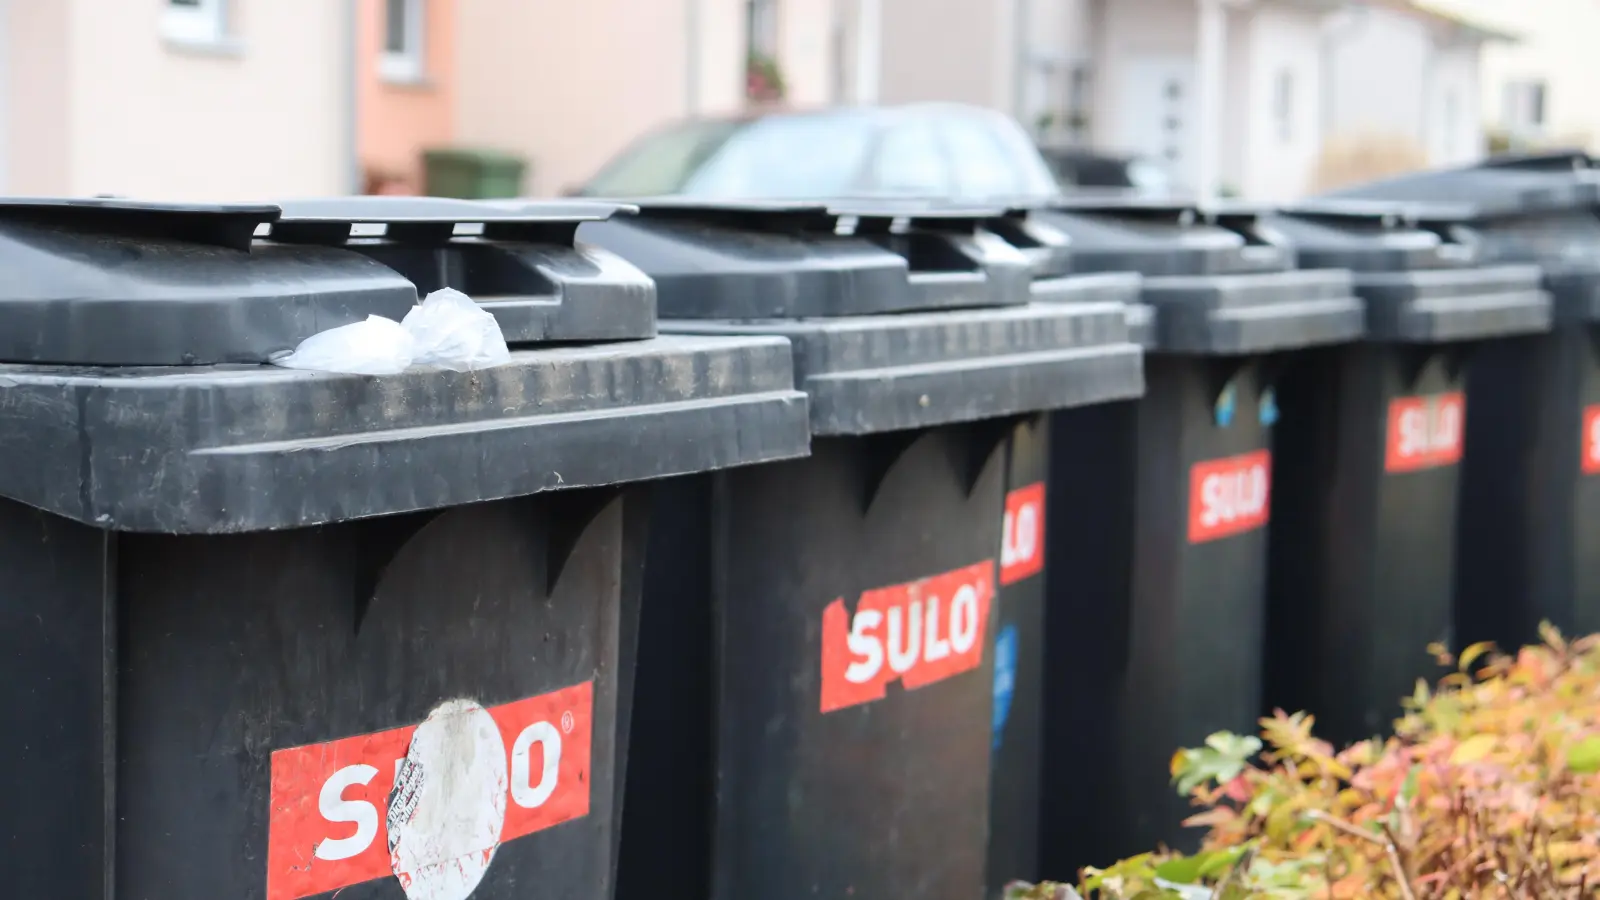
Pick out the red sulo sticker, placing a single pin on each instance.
(1229, 496)
(917, 633)
(1425, 432)
(427, 804)
(1591, 440)
(1022, 534)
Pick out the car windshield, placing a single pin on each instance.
(787, 157)
(661, 163)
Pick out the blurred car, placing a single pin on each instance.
(1077, 168)
(925, 150)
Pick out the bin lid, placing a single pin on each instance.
(790, 260)
(125, 282)
(125, 406)
(901, 314)
(1373, 236)
(1418, 269)
(517, 259)
(1510, 186)
(1163, 237)
(1216, 281)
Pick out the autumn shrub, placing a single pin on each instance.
(1489, 788)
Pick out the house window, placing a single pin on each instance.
(1524, 112)
(1283, 105)
(403, 25)
(195, 21)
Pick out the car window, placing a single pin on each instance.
(788, 157)
(660, 163)
(910, 160)
(982, 166)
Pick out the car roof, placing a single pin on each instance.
(886, 114)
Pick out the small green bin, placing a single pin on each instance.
(472, 174)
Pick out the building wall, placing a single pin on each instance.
(398, 120)
(1281, 140)
(806, 51)
(1456, 133)
(949, 50)
(268, 116)
(561, 83)
(1380, 63)
(1131, 30)
(37, 106)
(1557, 46)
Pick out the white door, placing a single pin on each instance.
(1156, 111)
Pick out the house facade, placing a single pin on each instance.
(211, 99)
(183, 100)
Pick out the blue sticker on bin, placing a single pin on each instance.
(1225, 404)
(1268, 408)
(1005, 678)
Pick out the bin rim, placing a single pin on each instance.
(385, 209)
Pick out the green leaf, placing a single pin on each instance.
(1584, 757)
(1183, 870)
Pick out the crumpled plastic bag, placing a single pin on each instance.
(447, 330)
(453, 332)
(377, 346)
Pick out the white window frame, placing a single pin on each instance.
(408, 66)
(205, 22)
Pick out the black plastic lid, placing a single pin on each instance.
(1373, 236)
(782, 260)
(1504, 187)
(114, 282)
(1420, 282)
(1163, 237)
(517, 259)
(121, 282)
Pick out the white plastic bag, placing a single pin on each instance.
(377, 346)
(452, 332)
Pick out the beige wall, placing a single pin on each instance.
(563, 84)
(952, 50)
(148, 119)
(38, 82)
(806, 51)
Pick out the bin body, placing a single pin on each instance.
(844, 718)
(1372, 437)
(1019, 660)
(1157, 546)
(281, 634)
(1527, 535)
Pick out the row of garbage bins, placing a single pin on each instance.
(736, 582)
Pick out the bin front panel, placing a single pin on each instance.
(1362, 566)
(1019, 649)
(1157, 585)
(1530, 494)
(406, 707)
(856, 620)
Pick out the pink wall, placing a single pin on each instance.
(398, 120)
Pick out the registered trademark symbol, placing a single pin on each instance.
(566, 722)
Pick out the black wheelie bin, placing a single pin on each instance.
(815, 703)
(1529, 531)
(1369, 443)
(273, 634)
(1019, 655)
(1157, 550)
